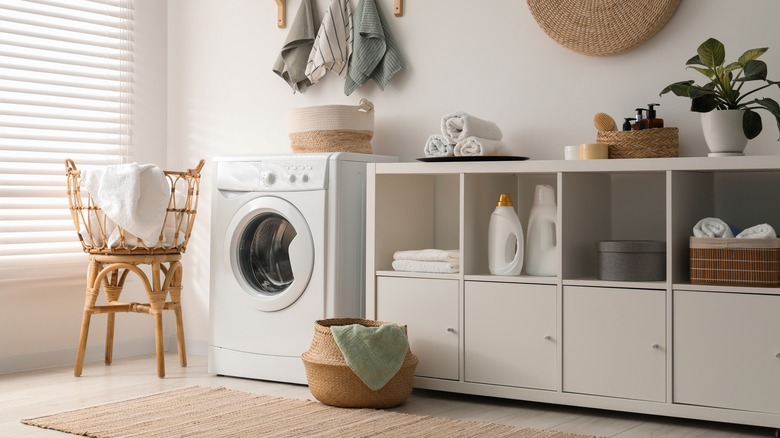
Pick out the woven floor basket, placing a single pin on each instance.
(645, 143)
(332, 381)
(735, 262)
(332, 128)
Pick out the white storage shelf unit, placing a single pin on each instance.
(663, 347)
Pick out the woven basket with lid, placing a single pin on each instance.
(332, 128)
(332, 381)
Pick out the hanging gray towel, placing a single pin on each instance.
(375, 54)
(291, 63)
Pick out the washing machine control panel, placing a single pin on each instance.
(280, 174)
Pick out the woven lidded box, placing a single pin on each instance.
(332, 128)
(643, 143)
(735, 262)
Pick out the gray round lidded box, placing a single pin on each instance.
(631, 260)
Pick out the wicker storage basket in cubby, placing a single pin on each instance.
(644, 143)
(332, 381)
(735, 262)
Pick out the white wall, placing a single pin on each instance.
(488, 58)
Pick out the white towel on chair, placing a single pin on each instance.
(762, 231)
(474, 146)
(420, 266)
(333, 44)
(712, 227)
(438, 146)
(133, 196)
(458, 126)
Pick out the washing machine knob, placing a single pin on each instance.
(305, 178)
(269, 178)
(291, 178)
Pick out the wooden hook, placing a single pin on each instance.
(399, 8)
(281, 15)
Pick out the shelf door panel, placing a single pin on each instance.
(614, 342)
(727, 350)
(510, 335)
(429, 308)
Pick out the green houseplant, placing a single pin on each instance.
(724, 89)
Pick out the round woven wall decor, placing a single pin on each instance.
(601, 27)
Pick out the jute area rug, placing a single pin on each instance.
(220, 412)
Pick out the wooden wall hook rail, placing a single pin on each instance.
(399, 8)
(281, 14)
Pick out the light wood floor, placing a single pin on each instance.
(35, 393)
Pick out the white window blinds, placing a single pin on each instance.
(66, 87)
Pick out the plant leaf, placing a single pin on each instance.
(751, 55)
(704, 104)
(770, 105)
(705, 71)
(751, 124)
(678, 88)
(694, 92)
(733, 66)
(754, 71)
(694, 61)
(712, 53)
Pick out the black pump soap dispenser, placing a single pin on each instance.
(639, 120)
(627, 123)
(651, 121)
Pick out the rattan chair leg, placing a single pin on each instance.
(157, 303)
(112, 294)
(175, 293)
(158, 342)
(89, 305)
(110, 319)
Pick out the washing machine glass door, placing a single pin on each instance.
(272, 252)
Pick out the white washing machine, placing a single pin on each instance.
(288, 248)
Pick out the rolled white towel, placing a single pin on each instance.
(429, 255)
(420, 266)
(475, 146)
(712, 227)
(458, 126)
(762, 231)
(438, 146)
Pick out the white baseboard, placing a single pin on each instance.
(122, 348)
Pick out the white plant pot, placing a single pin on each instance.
(723, 132)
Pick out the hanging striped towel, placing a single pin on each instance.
(333, 44)
(291, 63)
(375, 54)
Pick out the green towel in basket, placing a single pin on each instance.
(375, 354)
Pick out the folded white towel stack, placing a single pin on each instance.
(438, 146)
(427, 260)
(475, 146)
(458, 126)
(762, 231)
(712, 227)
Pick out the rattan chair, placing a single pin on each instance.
(109, 265)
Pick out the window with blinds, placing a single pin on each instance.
(66, 87)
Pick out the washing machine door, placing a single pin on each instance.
(271, 252)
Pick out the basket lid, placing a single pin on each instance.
(631, 246)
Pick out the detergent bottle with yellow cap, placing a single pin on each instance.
(505, 239)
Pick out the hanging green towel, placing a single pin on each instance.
(291, 62)
(375, 354)
(375, 54)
